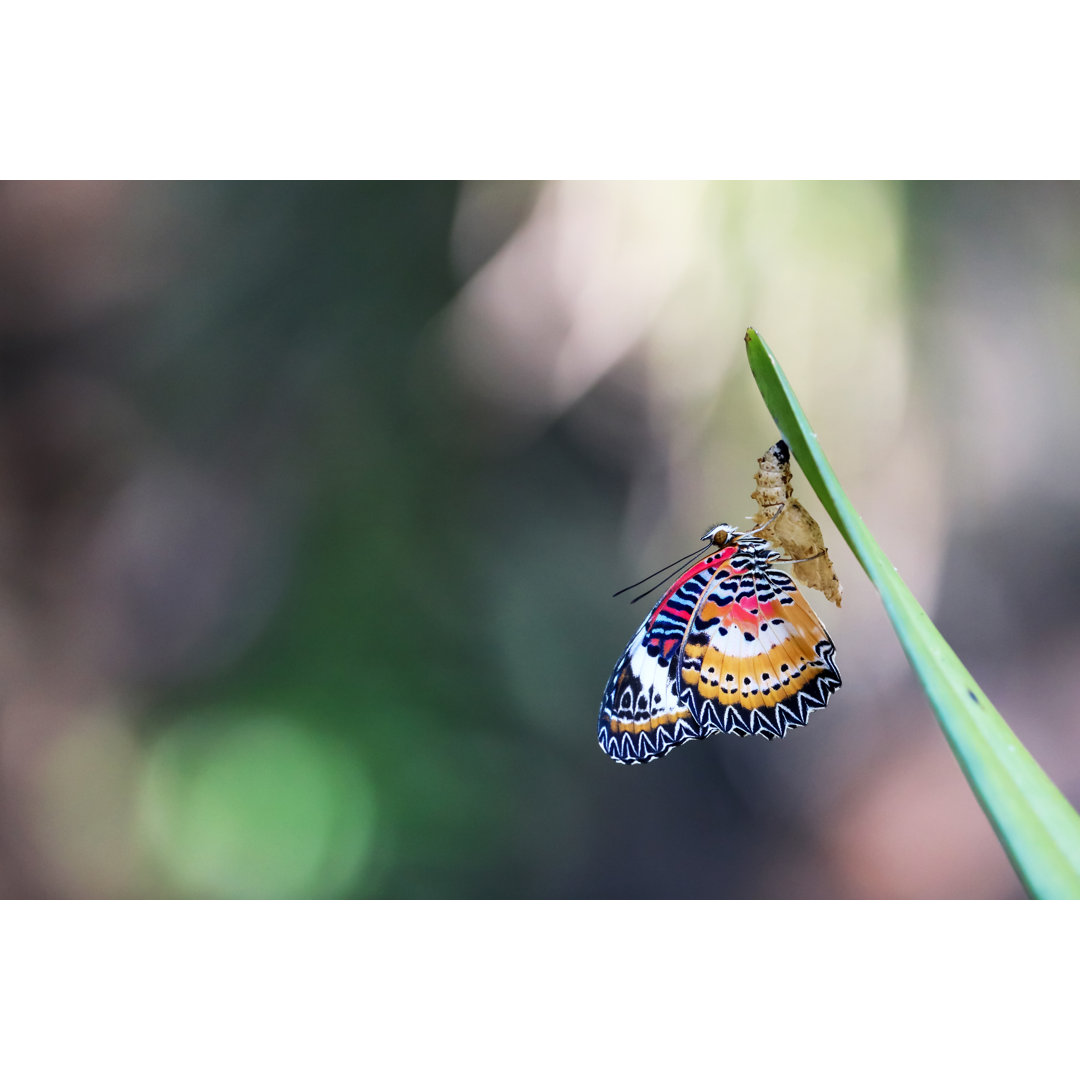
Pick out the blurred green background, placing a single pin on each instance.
(314, 497)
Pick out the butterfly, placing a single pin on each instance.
(732, 646)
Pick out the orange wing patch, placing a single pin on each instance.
(785, 665)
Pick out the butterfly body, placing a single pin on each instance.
(732, 646)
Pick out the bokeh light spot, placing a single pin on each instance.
(241, 805)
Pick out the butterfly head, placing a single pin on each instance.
(719, 535)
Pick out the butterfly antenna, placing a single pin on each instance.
(675, 573)
(678, 562)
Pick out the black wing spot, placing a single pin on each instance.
(748, 635)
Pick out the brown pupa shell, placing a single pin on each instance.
(794, 532)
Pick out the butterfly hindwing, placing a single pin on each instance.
(757, 660)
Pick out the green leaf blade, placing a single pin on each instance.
(1038, 828)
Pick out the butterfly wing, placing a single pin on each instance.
(756, 660)
(641, 717)
(732, 646)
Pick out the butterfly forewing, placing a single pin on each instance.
(641, 717)
(732, 646)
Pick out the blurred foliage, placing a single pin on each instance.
(322, 290)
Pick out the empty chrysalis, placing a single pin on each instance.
(793, 531)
